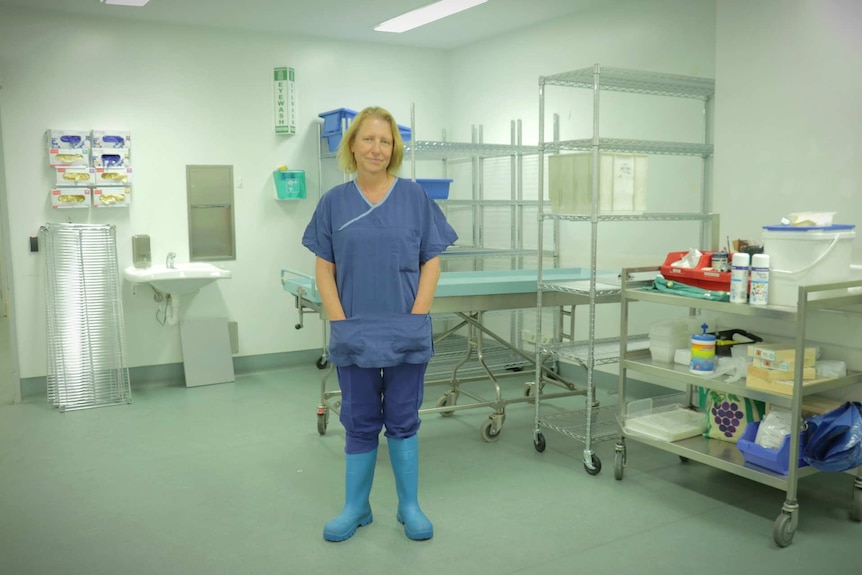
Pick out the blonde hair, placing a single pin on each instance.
(345, 157)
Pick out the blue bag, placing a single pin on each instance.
(834, 439)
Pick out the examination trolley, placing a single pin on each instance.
(465, 296)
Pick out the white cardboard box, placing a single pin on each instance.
(70, 198)
(76, 176)
(112, 139)
(59, 157)
(622, 183)
(113, 176)
(68, 139)
(117, 197)
(111, 158)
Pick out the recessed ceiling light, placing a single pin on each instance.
(426, 14)
(125, 2)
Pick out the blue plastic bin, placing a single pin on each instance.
(333, 140)
(777, 460)
(437, 189)
(332, 120)
(405, 132)
(333, 126)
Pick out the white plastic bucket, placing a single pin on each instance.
(805, 257)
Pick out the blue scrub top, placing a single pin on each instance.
(377, 251)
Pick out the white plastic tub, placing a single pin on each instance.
(806, 256)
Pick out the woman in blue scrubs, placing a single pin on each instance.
(377, 240)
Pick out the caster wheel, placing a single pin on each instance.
(488, 432)
(619, 465)
(447, 400)
(539, 443)
(856, 510)
(783, 530)
(321, 363)
(528, 390)
(683, 459)
(596, 466)
(322, 422)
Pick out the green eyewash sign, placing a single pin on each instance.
(284, 94)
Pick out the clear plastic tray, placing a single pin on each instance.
(666, 423)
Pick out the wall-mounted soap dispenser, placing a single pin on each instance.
(141, 255)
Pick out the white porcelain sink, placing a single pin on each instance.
(183, 278)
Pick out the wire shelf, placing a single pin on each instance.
(603, 423)
(627, 146)
(452, 350)
(645, 217)
(582, 287)
(458, 150)
(605, 351)
(452, 150)
(636, 81)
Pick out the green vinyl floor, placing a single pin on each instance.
(235, 479)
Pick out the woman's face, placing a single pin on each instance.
(372, 148)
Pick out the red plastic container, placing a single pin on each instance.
(703, 276)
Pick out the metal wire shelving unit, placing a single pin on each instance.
(84, 313)
(593, 423)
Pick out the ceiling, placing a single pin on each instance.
(349, 20)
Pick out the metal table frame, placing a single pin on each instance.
(467, 296)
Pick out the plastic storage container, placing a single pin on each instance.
(335, 122)
(289, 184)
(802, 256)
(703, 276)
(666, 337)
(777, 460)
(437, 189)
(622, 183)
(665, 423)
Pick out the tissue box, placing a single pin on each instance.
(701, 276)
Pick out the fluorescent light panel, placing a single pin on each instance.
(126, 2)
(426, 14)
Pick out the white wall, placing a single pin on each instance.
(189, 96)
(496, 81)
(788, 118)
(787, 126)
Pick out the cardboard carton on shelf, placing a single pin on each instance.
(780, 365)
(783, 386)
(774, 374)
(781, 352)
(818, 405)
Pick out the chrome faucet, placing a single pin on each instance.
(169, 261)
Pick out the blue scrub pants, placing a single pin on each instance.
(372, 398)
